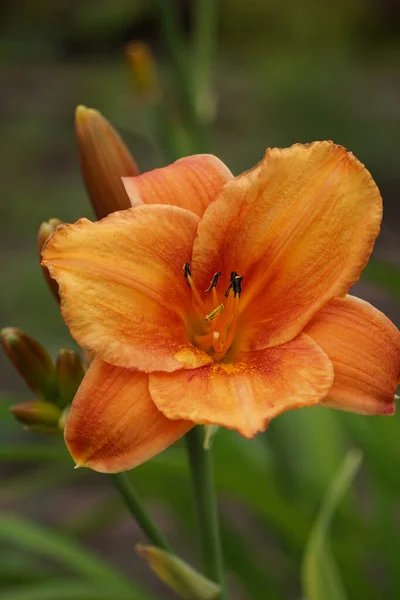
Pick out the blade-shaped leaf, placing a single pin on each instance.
(321, 579)
(34, 538)
(66, 589)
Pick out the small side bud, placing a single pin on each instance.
(178, 575)
(31, 360)
(37, 415)
(104, 160)
(143, 70)
(45, 231)
(70, 372)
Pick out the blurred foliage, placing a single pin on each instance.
(285, 72)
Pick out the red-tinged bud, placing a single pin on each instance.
(104, 160)
(45, 231)
(70, 372)
(143, 69)
(37, 413)
(32, 362)
(178, 575)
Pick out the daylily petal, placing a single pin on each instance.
(247, 393)
(364, 347)
(113, 424)
(123, 293)
(191, 183)
(299, 228)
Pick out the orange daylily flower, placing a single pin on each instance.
(223, 300)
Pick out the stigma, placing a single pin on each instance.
(216, 317)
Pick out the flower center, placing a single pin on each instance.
(215, 329)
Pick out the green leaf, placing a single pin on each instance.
(321, 579)
(32, 537)
(66, 589)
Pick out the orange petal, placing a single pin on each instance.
(246, 394)
(191, 182)
(299, 228)
(122, 287)
(364, 347)
(104, 160)
(113, 424)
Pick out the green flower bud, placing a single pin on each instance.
(178, 575)
(37, 413)
(31, 360)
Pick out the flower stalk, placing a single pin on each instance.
(178, 50)
(201, 467)
(131, 500)
(204, 42)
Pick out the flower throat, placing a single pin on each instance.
(218, 326)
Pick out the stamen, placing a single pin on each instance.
(213, 282)
(227, 339)
(235, 285)
(186, 272)
(188, 276)
(222, 320)
(215, 313)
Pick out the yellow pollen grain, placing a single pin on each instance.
(229, 368)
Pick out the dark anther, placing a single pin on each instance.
(235, 284)
(187, 273)
(214, 282)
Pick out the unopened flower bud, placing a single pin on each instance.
(45, 231)
(104, 160)
(143, 70)
(178, 575)
(70, 372)
(31, 360)
(37, 414)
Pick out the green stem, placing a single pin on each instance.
(206, 504)
(138, 512)
(205, 13)
(178, 50)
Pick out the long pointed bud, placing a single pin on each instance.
(45, 231)
(104, 159)
(178, 575)
(31, 360)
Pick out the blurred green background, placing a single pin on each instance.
(283, 72)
